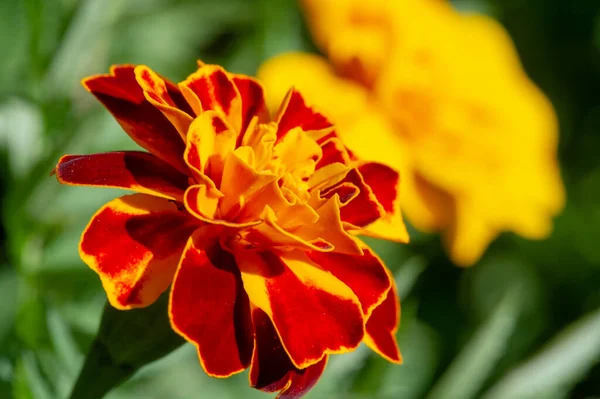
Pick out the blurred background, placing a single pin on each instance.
(524, 322)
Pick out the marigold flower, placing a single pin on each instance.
(252, 220)
(474, 138)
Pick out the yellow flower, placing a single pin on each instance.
(474, 138)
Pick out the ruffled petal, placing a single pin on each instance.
(271, 369)
(210, 308)
(202, 202)
(253, 100)
(143, 122)
(269, 234)
(330, 228)
(131, 170)
(365, 274)
(241, 186)
(385, 184)
(211, 88)
(333, 151)
(158, 94)
(134, 244)
(382, 325)
(294, 112)
(209, 140)
(359, 204)
(314, 313)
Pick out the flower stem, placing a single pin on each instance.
(127, 340)
(100, 373)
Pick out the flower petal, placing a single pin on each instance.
(385, 184)
(271, 369)
(314, 313)
(269, 234)
(294, 112)
(211, 88)
(360, 209)
(302, 381)
(158, 94)
(382, 325)
(333, 151)
(365, 274)
(210, 308)
(241, 185)
(271, 366)
(134, 244)
(329, 228)
(253, 100)
(202, 202)
(131, 170)
(209, 140)
(145, 124)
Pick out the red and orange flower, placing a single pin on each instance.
(252, 221)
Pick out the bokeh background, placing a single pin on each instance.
(524, 322)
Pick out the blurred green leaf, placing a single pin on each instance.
(28, 383)
(13, 45)
(82, 44)
(556, 368)
(420, 347)
(180, 30)
(31, 325)
(21, 133)
(407, 275)
(476, 361)
(8, 304)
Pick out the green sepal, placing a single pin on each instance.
(126, 341)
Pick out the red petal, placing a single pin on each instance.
(383, 181)
(134, 244)
(314, 313)
(359, 208)
(159, 93)
(210, 308)
(271, 369)
(303, 381)
(333, 151)
(382, 326)
(211, 88)
(385, 184)
(271, 366)
(132, 170)
(294, 112)
(209, 140)
(253, 100)
(366, 275)
(145, 124)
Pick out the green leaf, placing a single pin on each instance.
(420, 347)
(8, 305)
(477, 360)
(21, 132)
(126, 341)
(407, 275)
(558, 367)
(81, 45)
(30, 323)
(28, 383)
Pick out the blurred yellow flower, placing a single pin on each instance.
(441, 96)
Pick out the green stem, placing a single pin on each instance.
(100, 373)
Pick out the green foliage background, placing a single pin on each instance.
(523, 323)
